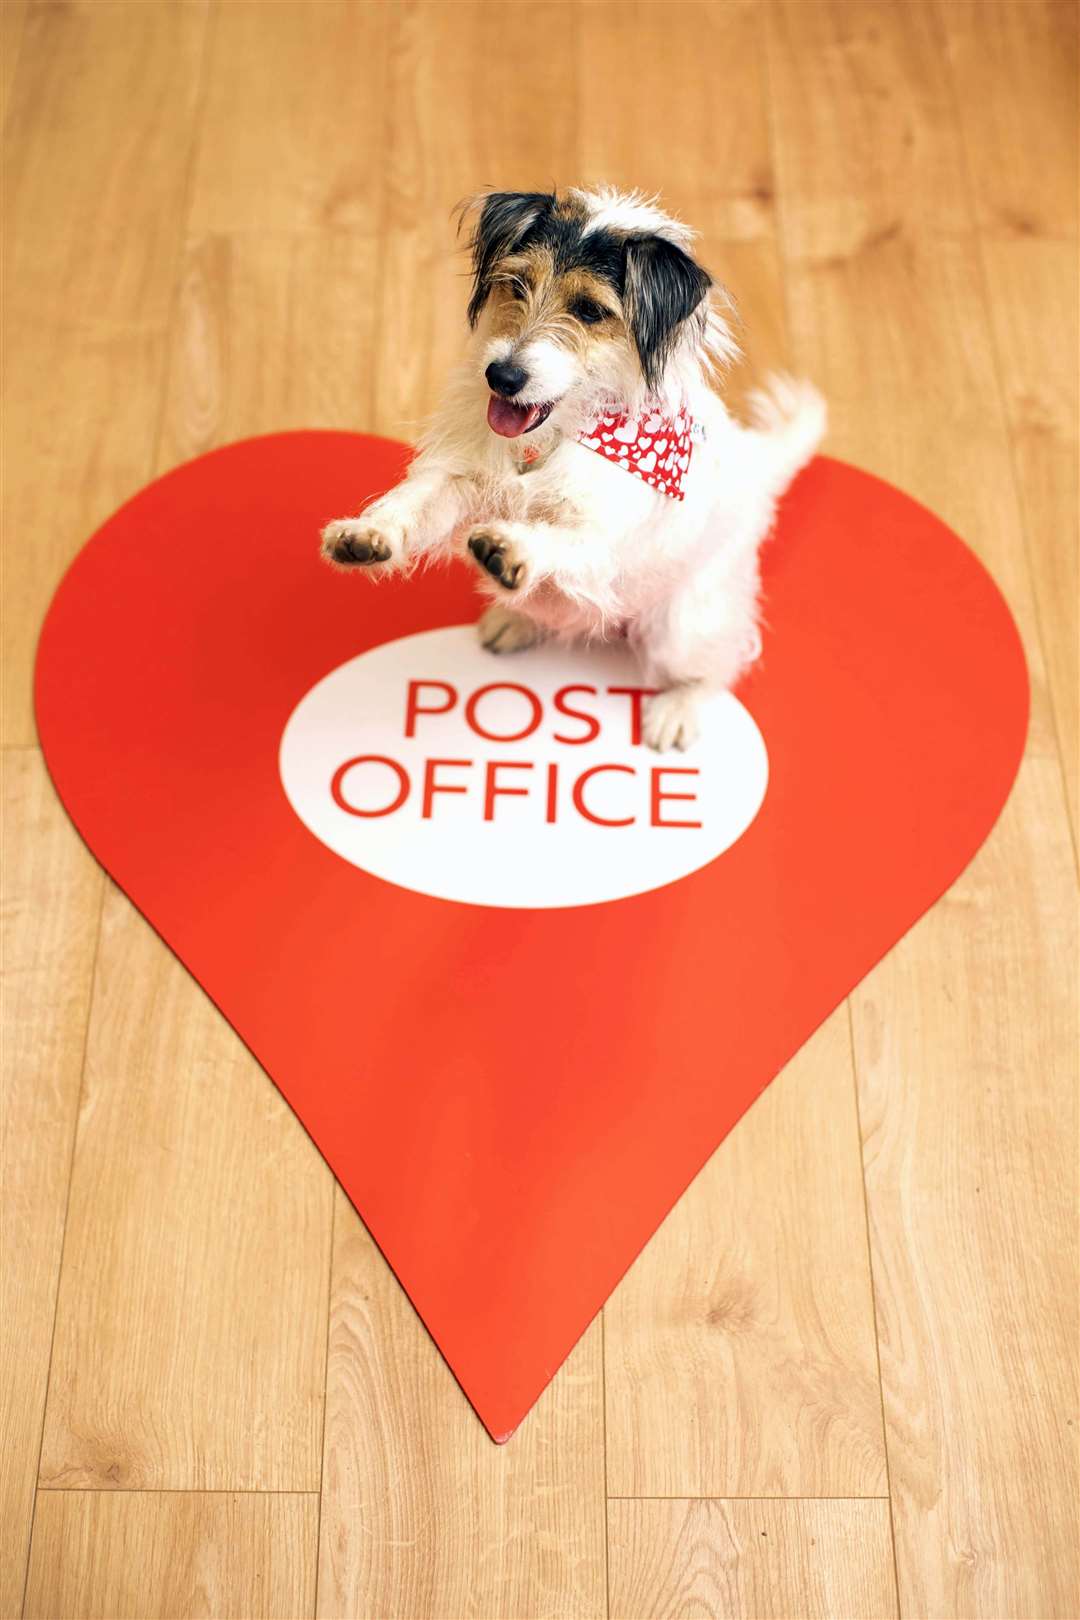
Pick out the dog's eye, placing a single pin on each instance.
(586, 311)
(519, 290)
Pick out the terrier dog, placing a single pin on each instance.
(581, 458)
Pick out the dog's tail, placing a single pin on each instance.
(791, 415)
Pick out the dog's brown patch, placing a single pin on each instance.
(533, 299)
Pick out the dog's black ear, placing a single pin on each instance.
(505, 218)
(663, 288)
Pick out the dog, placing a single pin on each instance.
(582, 460)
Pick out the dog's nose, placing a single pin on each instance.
(505, 379)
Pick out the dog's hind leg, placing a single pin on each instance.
(505, 630)
(700, 641)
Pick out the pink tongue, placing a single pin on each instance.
(509, 419)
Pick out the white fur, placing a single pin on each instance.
(610, 209)
(550, 367)
(600, 551)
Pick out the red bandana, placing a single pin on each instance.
(653, 447)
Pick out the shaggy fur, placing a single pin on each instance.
(581, 303)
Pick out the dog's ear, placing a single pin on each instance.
(503, 218)
(663, 288)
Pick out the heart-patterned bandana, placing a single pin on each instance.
(652, 446)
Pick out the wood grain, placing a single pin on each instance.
(862, 120)
(100, 1555)
(271, 331)
(191, 1320)
(93, 204)
(964, 1043)
(1016, 68)
(294, 125)
(1034, 296)
(12, 18)
(423, 1518)
(739, 1349)
(752, 272)
(675, 57)
(51, 900)
(671, 1560)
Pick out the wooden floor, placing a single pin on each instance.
(839, 1381)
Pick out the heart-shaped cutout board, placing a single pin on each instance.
(517, 975)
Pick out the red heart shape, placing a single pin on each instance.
(513, 1098)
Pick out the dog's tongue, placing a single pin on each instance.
(509, 419)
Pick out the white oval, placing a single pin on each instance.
(518, 857)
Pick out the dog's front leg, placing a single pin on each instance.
(519, 555)
(415, 517)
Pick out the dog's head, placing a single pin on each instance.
(582, 297)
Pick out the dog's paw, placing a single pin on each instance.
(359, 543)
(499, 556)
(504, 630)
(670, 719)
